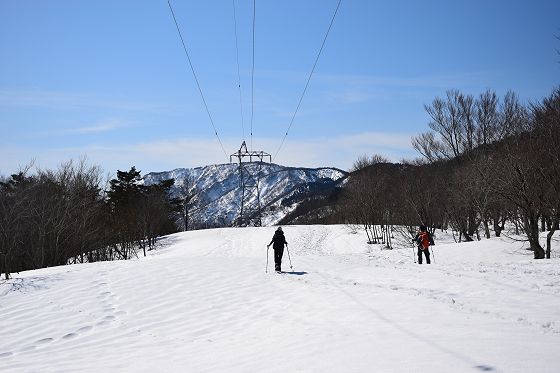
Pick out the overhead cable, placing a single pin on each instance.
(195, 78)
(253, 75)
(238, 73)
(308, 80)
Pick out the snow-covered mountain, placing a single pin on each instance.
(282, 189)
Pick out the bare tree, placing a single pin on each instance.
(517, 182)
(546, 117)
(446, 121)
(461, 124)
(188, 197)
(14, 210)
(364, 161)
(488, 118)
(50, 217)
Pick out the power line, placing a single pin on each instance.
(308, 80)
(253, 75)
(195, 78)
(238, 73)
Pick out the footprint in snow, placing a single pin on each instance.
(484, 368)
(106, 320)
(44, 341)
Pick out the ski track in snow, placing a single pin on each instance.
(203, 303)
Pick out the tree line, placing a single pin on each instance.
(486, 162)
(69, 215)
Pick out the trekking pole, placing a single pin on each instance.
(290, 259)
(266, 269)
(433, 255)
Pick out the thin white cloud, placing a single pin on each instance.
(351, 89)
(65, 100)
(342, 151)
(356, 96)
(101, 126)
(167, 154)
(451, 80)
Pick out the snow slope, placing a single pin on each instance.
(202, 302)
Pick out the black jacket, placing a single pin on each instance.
(278, 240)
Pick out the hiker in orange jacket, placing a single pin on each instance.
(423, 239)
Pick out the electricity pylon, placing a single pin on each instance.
(250, 163)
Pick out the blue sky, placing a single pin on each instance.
(109, 80)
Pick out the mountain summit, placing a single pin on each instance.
(218, 189)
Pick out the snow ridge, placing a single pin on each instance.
(220, 192)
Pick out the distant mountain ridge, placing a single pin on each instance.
(282, 189)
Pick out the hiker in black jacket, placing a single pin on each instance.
(278, 242)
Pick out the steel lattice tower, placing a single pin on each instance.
(250, 163)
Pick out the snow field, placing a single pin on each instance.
(202, 302)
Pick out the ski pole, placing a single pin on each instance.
(290, 259)
(266, 269)
(433, 255)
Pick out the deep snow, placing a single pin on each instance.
(202, 302)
